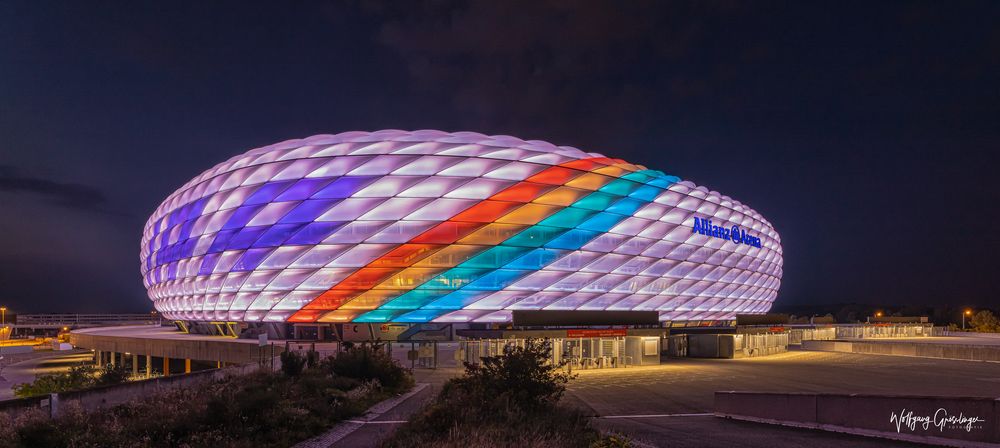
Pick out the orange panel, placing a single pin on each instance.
(410, 278)
(563, 196)
(339, 316)
(522, 192)
(613, 171)
(305, 316)
(529, 214)
(589, 181)
(486, 211)
(554, 175)
(365, 278)
(371, 299)
(446, 233)
(405, 255)
(587, 164)
(331, 299)
(493, 234)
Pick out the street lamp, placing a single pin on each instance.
(966, 313)
(3, 313)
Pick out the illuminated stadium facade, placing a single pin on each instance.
(429, 226)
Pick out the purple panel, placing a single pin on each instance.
(277, 235)
(303, 189)
(267, 192)
(308, 211)
(222, 240)
(242, 216)
(314, 233)
(208, 263)
(246, 237)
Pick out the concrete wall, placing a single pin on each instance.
(886, 416)
(923, 349)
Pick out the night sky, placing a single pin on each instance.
(866, 134)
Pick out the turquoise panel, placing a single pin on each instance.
(414, 299)
(495, 257)
(534, 236)
(568, 217)
(378, 315)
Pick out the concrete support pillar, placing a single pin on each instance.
(187, 366)
(149, 366)
(113, 359)
(218, 364)
(166, 366)
(97, 357)
(135, 365)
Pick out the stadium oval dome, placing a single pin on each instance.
(431, 226)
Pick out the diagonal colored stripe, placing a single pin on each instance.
(502, 275)
(484, 212)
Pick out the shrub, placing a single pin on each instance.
(76, 378)
(521, 376)
(292, 363)
(369, 362)
(111, 375)
(509, 400)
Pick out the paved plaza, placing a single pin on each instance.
(666, 405)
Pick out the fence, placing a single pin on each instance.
(797, 335)
(574, 353)
(884, 331)
(415, 354)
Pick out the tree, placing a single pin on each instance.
(985, 322)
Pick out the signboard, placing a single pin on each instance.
(603, 333)
(735, 233)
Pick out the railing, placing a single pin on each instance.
(79, 319)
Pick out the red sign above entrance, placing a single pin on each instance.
(604, 333)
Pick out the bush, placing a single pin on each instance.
(292, 363)
(508, 400)
(76, 378)
(111, 375)
(369, 362)
(521, 376)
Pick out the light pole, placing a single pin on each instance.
(3, 313)
(966, 313)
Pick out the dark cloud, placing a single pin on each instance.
(76, 196)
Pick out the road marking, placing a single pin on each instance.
(704, 414)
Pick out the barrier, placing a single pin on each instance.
(969, 352)
(948, 421)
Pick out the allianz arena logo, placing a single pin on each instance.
(735, 233)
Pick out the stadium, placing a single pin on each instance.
(436, 227)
